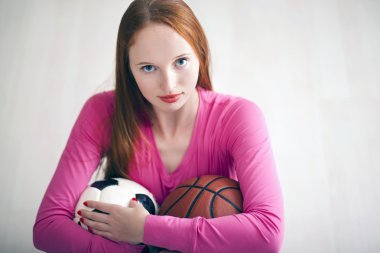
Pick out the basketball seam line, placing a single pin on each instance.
(227, 200)
(217, 193)
(198, 195)
(183, 195)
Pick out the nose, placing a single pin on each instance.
(168, 81)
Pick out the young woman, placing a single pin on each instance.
(161, 125)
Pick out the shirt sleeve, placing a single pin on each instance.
(260, 227)
(54, 229)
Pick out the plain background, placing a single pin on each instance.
(312, 66)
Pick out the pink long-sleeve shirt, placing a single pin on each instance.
(230, 138)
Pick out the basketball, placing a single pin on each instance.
(207, 196)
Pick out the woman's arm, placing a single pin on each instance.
(260, 227)
(54, 229)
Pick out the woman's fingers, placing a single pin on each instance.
(94, 216)
(98, 205)
(123, 224)
(105, 234)
(99, 228)
(93, 224)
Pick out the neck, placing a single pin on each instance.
(172, 124)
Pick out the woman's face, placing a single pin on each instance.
(163, 63)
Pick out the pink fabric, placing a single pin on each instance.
(230, 138)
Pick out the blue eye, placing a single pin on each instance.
(181, 62)
(148, 68)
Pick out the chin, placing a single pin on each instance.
(166, 107)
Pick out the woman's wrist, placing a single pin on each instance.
(141, 239)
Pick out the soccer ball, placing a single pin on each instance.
(118, 191)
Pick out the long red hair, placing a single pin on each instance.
(131, 108)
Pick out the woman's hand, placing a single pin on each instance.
(121, 224)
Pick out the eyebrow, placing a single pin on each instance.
(149, 63)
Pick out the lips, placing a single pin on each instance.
(171, 98)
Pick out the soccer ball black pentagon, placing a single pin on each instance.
(118, 191)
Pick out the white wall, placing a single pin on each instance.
(312, 66)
